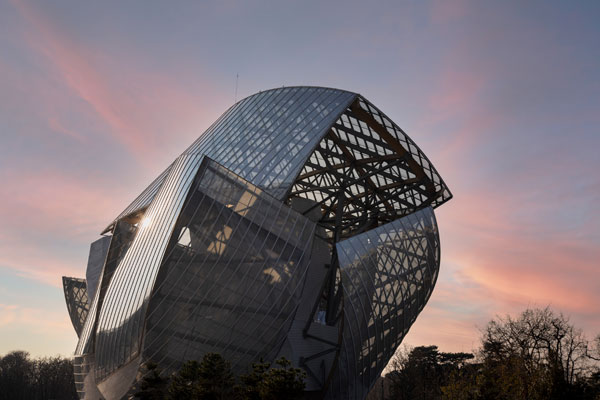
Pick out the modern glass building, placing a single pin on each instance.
(300, 224)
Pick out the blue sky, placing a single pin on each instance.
(97, 99)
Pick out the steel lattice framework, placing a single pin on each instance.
(77, 301)
(300, 224)
(370, 170)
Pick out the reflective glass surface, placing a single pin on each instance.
(232, 279)
(265, 138)
(119, 243)
(120, 320)
(211, 256)
(96, 259)
(388, 274)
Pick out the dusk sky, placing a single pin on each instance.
(96, 99)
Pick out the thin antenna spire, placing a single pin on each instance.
(236, 87)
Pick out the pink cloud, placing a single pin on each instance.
(40, 331)
(496, 246)
(50, 205)
(55, 125)
(433, 327)
(503, 247)
(28, 258)
(47, 201)
(8, 314)
(142, 109)
(549, 270)
(148, 113)
(494, 263)
(455, 114)
(16, 314)
(446, 11)
(32, 262)
(485, 278)
(71, 62)
(457, 87)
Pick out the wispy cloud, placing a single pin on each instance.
(46, 215)
(54, 204)
(138, 106)
(71, 61)
(441, 11)
(13, 313)
(56, 126)
(522, 230)
(31, 329)
(45, 201)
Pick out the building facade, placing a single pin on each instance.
(300, 224)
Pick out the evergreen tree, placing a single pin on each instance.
(264, 383)
(210, 379)
(249, 390)
(152, 386)
(285, 382)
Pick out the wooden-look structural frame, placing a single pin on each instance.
(356, 187)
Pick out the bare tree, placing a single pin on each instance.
(536, 355)
(541, 346)
(594, 351)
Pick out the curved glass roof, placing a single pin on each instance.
(264, 138)
(288, 167)
(319, 143)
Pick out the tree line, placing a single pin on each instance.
(212, 379)
(537, 355)
(23, 378)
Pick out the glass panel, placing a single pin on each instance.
(265, 138)
(120, 319)
(96, 259)
(232, 278)
(120, 242)
(388, 274)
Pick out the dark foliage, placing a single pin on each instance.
(152, 386)
(249, 387)
(422, 372)
(538, 355)
(282, 382)
(212, 379)
(44, 378)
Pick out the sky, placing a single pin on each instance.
(97, 98)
